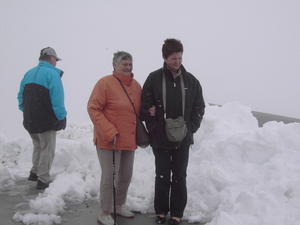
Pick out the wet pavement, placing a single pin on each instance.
(17, 199)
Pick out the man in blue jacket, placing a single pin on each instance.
(41, 99)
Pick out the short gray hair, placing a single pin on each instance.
(119, 56)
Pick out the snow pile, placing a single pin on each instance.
(238, 173)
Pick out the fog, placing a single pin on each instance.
(245, 51)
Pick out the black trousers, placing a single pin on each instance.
(170, 181)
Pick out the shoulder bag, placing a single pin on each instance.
(142, 135)
(176, 129)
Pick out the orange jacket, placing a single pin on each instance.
(112, 113)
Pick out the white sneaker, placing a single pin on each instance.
(106, 220)
(125, 213)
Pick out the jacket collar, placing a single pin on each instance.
(46, 64)
(167, 70)
(127, 80)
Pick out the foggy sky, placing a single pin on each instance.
(246, 51)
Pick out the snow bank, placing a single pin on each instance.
(238, 173)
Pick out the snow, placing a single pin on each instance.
(238, 173)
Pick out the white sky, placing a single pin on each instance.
(246, 51)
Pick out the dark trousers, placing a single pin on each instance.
(171, 166)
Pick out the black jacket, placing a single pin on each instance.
(152, 95)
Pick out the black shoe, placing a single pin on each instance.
(33, 177)
(41, 185)
(160, 219)
(173, 221)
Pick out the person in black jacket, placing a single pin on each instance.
(171, 157)
(41, 99)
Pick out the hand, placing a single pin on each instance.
(152, 111)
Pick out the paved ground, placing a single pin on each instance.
(17, 199)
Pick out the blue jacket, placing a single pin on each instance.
(41, 99)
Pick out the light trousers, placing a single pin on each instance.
(43, 154)
(123, 173)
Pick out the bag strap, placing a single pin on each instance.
(126, 93)
(164, 92)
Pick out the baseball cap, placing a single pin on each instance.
(49, 51)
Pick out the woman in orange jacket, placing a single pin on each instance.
(114, 122)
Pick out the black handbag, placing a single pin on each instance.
(142, 135)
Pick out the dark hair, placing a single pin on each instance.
(171, 46)
(45, 57)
